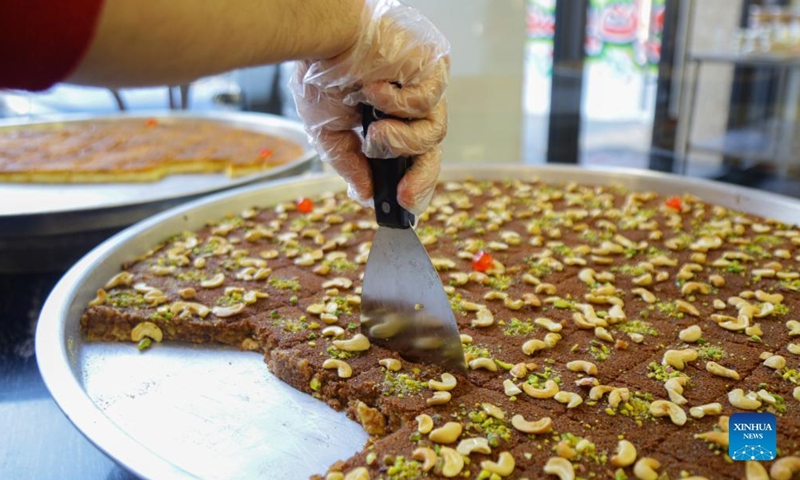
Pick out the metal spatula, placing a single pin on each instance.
(403, 304)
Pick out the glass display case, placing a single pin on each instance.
(703, 88)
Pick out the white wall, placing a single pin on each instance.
(485, 93)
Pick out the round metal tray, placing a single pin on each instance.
(184, 411)
(47, 227)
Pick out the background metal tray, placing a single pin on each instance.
(182, 411)
(47, 227)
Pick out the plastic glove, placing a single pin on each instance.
(400, 65)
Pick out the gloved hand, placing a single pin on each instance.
(400, 65)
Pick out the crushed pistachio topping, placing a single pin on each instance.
(538, 379)
(403, 469)
(232, 298)
(500, 282)
(403, 384)
(125, 298)
(599, 351)
(341, 265)
(515, 326)
(292, 325)
(670, 309)
(663, 372)
(637, 407)
(708, 351)
(284, 283)
(482, 424)
(637, 326)
(585, 448)
(334, 352)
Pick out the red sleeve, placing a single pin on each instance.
(42, 41)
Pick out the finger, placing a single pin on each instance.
(391, 138)
(324, 109)
(409, 100)
(415, 190)
(342, 150)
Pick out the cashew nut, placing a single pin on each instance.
(358, 343)
(717, 438)
(686, 307)
(645, 295)
(548, 324)
(626, 454)
(679, 358)
(510, 388)
(738, 399)
(796, 393)
(439, 398)
(214, 282)
(660, 408)
(784, 468)
(617, 396)
(503, 467)
(794, 327)
(715, 368)
(493, 411)
(701, 411)
(338, 282)
(586, 276)
(334, 331)
(483, 318)
(453, 462)
(570, 398)
(229, 311)
(391, 364)
(424, 423)
(597, 392)
(690, 288)
(519, 370)
(548, 391)
(448, 433)
(560, 467)
(532, 345)
(645, 468)
(122, 278)
(542, 425)
(582, 366)
(643, 280)
(483, 362)
(763, 296)
(603, 334)
(425, 455)
(690, 334)
(360, 473)
(182, 309)
(674, 387)
(775, 362)
(793, 348)
(477, 444)
(343, 369)
(99, 299)
(146, 329)
(730, 323)
(448, 383)
(755, 471)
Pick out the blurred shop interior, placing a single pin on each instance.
(705, 88)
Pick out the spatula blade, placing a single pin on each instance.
(403, 304)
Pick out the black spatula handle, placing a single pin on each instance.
(386, 174)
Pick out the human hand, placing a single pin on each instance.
(400, 65)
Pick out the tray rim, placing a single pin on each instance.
(234, 118)
(53, 353)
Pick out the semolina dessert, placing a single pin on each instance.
(136, 150)
(609, 333)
